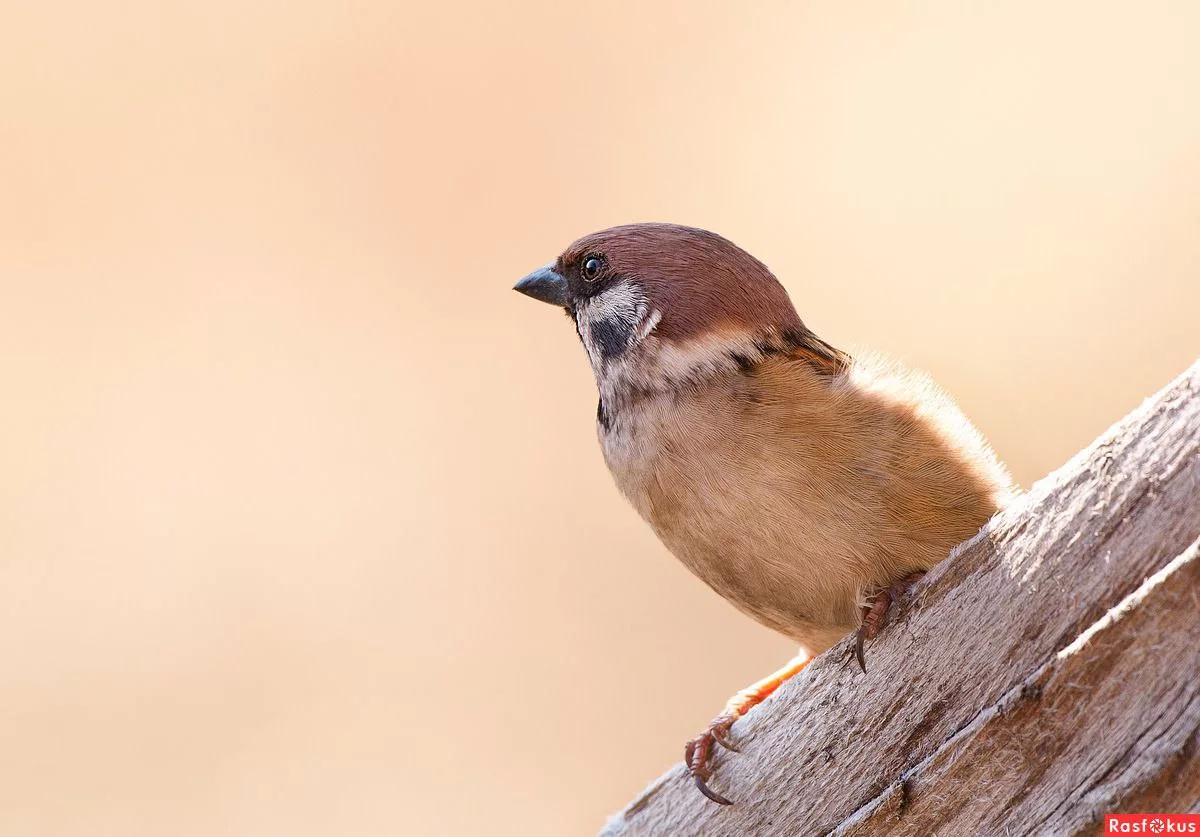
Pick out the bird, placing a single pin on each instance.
(808, 488)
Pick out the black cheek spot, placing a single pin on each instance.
(743, 361)
(602, 415)
(611, 336)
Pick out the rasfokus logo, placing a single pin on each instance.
(1152, 823)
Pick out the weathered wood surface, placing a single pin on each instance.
(1047, 673)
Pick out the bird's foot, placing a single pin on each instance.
(699, 750)
(875, 612)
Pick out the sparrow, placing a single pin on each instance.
(807, 488)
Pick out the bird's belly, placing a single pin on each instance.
(750, 537)
(777, 565)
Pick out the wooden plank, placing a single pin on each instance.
(1115, 713)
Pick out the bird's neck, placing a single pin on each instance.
(655, 368)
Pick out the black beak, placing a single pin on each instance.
(547, 285)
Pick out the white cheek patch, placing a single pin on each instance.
(620, 302)
(648, 325)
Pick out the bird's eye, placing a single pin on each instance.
(592, 266)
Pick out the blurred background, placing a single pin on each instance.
(303, 524)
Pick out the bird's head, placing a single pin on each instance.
(659, 304)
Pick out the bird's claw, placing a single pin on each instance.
(698, 751)
(855, 651)
(710, 793)
(875, 613)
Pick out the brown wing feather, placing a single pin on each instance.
(821, 356)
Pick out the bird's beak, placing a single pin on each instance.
(545, 284)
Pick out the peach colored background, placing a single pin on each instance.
(303, 526)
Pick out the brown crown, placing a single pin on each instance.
(697, 280)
